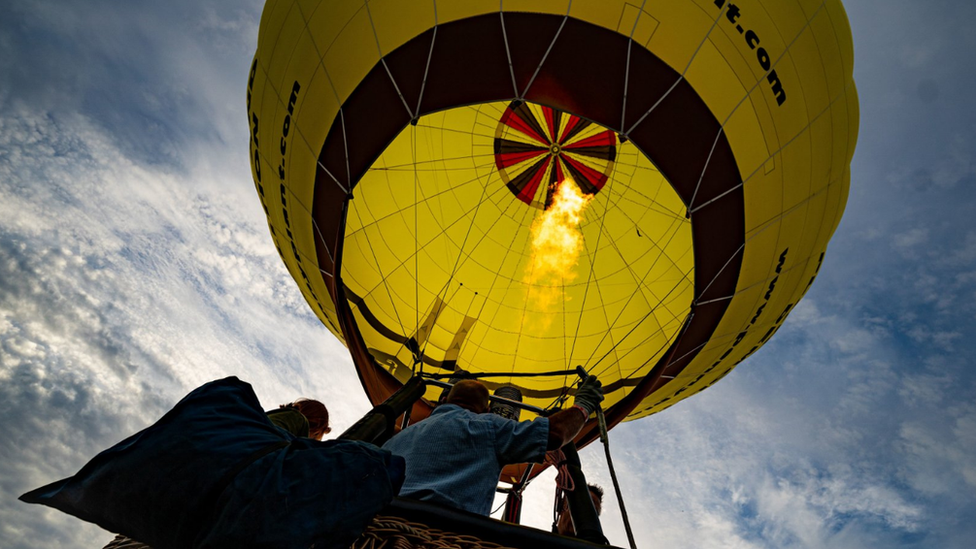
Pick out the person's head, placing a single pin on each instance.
(596, 493)
(317, 415)
(470, 395)
(564, 522)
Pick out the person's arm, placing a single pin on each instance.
(566, 424)
(519, 442)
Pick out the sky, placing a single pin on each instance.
(136, 264)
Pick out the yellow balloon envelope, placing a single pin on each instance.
(410, 154)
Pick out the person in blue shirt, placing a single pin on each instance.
(454, 457)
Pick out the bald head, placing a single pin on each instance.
(470, 395)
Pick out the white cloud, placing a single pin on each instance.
(135, 264)
(941, 457)
(965, 254)
(911, 238)
(925, 390)
(122, 289)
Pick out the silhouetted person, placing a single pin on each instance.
(564, 520)
(305, 417)
(215, 471)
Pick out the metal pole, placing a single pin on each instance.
(377, 425)
(513, 498)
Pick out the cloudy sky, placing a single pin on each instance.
(136, 264)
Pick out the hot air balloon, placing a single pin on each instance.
(406, 154)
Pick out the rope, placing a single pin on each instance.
(122, 542)
(605, 439)
(563, 479)
(564, 482)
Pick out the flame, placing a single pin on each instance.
(556, 244)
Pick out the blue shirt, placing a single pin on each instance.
(454, 457)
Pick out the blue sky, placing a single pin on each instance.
(135, 264)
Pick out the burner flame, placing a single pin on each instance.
(556, 243)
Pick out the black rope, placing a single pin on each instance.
(605, 439)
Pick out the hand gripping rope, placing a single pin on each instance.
(605, 439)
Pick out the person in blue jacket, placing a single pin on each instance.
(454, 457)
